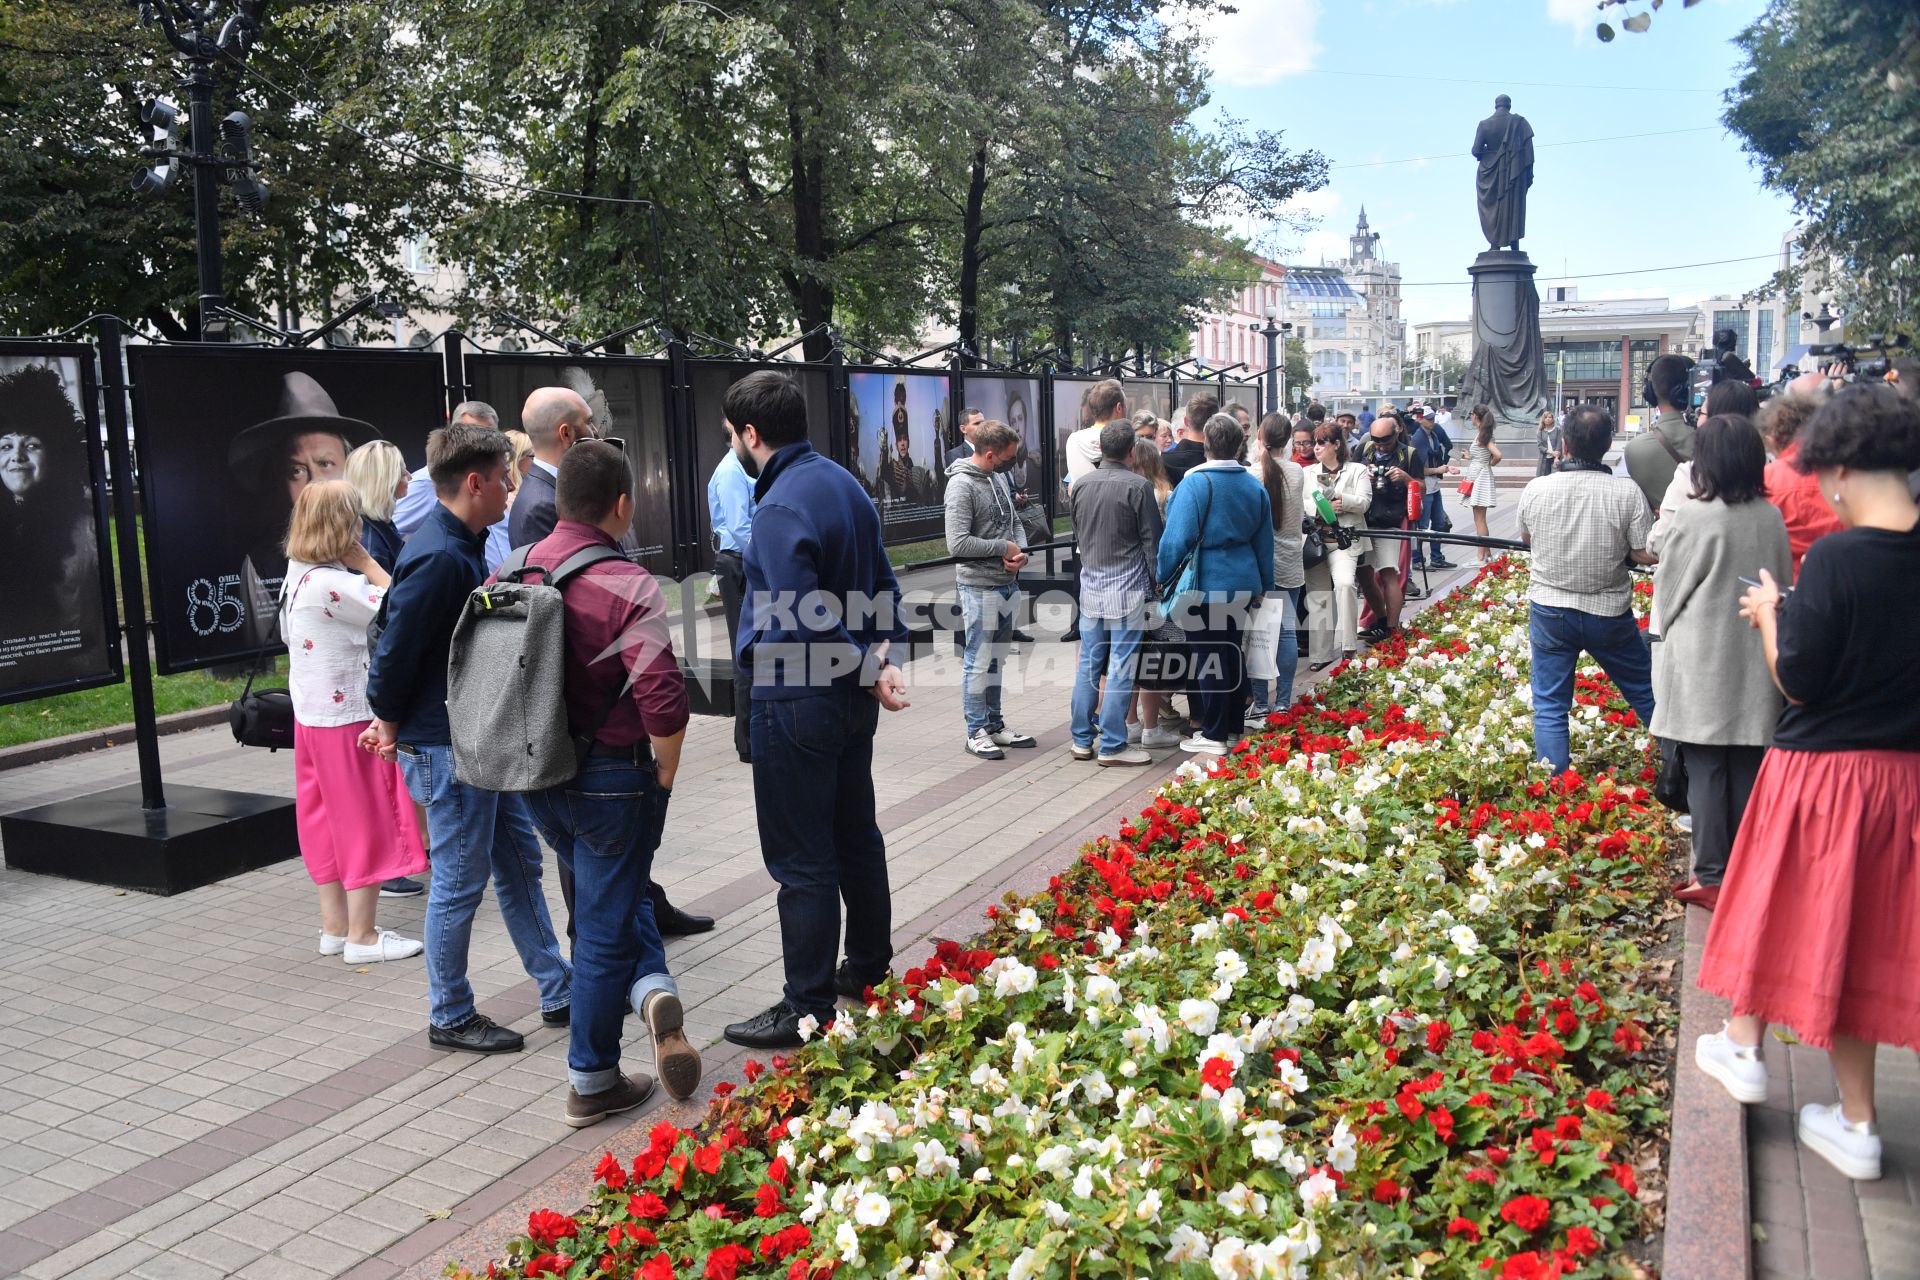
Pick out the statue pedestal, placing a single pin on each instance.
(1509, 371)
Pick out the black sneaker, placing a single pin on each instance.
(557, 1017)
(1438, 563)
(673, 1056)
(595, 1107)
(401, 887)
(775, 1028)
(851, 987)
(478, 1034)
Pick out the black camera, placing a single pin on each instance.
(1876, 348)
(1718, 364)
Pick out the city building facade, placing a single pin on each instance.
(1346, 312)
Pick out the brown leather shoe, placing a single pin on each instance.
(1701, 895)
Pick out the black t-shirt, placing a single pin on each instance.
(1848, 635)
(1182, 458)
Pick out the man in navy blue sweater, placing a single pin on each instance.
(822, 609)
(473, 832)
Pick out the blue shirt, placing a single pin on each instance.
(730, 505)
(1221, 508)
(816, 541)
(407, 674)
(418, 504)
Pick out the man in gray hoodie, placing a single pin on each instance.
(987, 534)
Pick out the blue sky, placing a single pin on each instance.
(1604, 206)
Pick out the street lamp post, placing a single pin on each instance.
(1276, 367)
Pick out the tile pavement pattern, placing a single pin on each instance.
(187, 1089)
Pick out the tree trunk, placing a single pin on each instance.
(970, 256)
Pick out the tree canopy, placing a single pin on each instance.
(1033, 170)
(1828, 104)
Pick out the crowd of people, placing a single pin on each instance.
(1774, 673)
(1782, 541)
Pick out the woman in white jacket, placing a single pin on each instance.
(1333, 603)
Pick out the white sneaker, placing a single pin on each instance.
(1256, 718)
(1157, 737)
(1080, 753)
(332, 944)
(1853, 1149)
(1127, 755)
(387, 945)
(1200, 743)
(1005, 737)
(1134, 732)
(1684, 821)
(982, 744)
(1737, 1067)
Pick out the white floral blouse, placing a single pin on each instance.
(325, 612)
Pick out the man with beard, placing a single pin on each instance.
(821, 613)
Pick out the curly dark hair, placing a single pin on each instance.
(1864, 427)
(33, 402)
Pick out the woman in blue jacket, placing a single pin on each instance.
(1217, 555)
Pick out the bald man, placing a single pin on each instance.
(555, 419)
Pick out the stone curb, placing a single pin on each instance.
(73, 744)
(1709, 1229)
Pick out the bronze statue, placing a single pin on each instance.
(1503, 144)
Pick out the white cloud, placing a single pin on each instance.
(1581, 15)
(1326, 238)
(1263, 40)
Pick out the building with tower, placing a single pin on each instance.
(1347, 312)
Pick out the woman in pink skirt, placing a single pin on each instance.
(1818, 923)
(356, 822)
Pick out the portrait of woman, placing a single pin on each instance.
(57, 630)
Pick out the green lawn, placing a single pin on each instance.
(104, 708)
(908, 554)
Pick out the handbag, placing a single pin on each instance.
(1670, 783)
(1466, 488)
(263, 719)
(1190, 562)
(1313, 545)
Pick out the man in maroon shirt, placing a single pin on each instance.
(605, 824)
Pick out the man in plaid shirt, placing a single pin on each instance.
(1585, 525)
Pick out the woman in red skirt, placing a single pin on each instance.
(356, 823)
(1818, 925)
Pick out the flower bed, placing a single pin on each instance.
(1364, 998)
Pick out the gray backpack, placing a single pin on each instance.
(507, 680)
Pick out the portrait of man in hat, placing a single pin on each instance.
(273, 461)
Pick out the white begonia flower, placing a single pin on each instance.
(1027, 921)
(1288, 975)
(1199, 1016)
(1094, 1087)
(1026, 1266)
(1056, 1212)
(847, 1240)
(1228, 966)
(1186, 1245)
(1343, 1148)
(962, 996)
(1205, 931)
(1291, 1078)
(1101, 990)
(1083, 1182)
(1148, 1209)
(1479, 903)
(1015, 980)
(1054, 1161)
(1316, 957)
(816, 1202)
(1266, 1135)
(1317, 1190)
(932, 1161)
(807, 1025)
(1465, 941)
(1230, 1260)
(1222, 1045)
(1233, 1104)
(983, 1174)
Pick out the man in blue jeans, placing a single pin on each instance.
(473, 832)
(625, 695)
(1584, 525)
(987, 538)
(1117, 521)
(821, 611)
